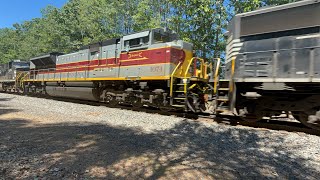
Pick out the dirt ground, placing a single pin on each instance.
(36, 146)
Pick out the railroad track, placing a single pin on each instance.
(276, 123)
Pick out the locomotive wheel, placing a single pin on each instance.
(250, 112)
(249, 116)
(111, 100)
(311, 121)
(191, 104)
(136, 102)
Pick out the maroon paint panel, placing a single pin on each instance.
(154, 56)
(73, 64)
(86, 63)
(177, 55)
(143, 57)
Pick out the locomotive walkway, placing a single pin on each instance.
(43, 138)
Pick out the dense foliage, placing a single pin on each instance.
(81, 22)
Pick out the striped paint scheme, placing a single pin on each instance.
(144, 57)
(126, 59)
(109, 74)
(129, 64)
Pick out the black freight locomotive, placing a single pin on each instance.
(11, 73)
(273, 62)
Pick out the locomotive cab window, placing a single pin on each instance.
(160, 38)
(136, 41)
(144, 40)
(132, 43)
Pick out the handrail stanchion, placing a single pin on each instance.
(188, 67)
(194, 68)
(171, 78)
(233, 65)
(216, 76)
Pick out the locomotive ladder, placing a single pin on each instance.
(19, 81)
(180, 84)
(224, 89)
(178, 91)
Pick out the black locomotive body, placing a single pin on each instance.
(11, 72)
(275, 52)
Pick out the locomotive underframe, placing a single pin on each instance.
(8, 86)
(257, 100)
(273, 56)
(154, 93)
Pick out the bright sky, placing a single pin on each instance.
(17, 11)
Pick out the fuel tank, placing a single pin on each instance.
(72, 84)
(83, 93)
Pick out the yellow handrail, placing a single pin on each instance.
(216, 76)
(187, 69)
(17, 79)
(202, 67)
(18, 75)
(171, 78)
(26, 75)
(190, 62)
(22, 79)
(233, 65)
(205, 71)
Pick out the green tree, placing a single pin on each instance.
(81, 22)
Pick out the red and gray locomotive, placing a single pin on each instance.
(149, 68)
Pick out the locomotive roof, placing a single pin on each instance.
(102, 43)
(159, 28)
(46, 56)
(116, 40)
(45, 61)
(284, 18)
(280, 7)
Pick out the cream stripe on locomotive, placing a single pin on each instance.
(158, 71)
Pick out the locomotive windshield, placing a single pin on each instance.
(160, 38)
(21, 65)
(144, 39)
(161, 35)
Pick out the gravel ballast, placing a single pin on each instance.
(50, 139)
